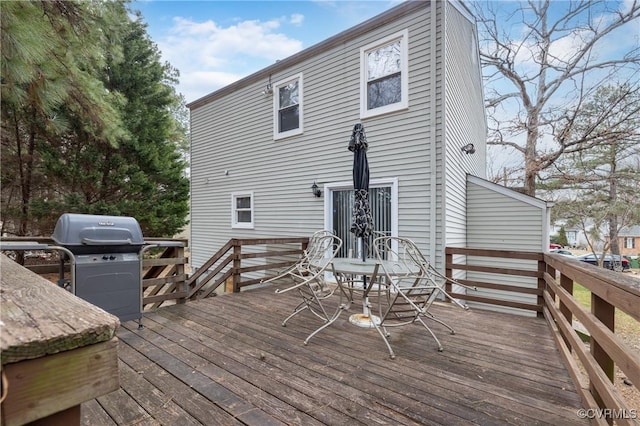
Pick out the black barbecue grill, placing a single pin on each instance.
(106, 260)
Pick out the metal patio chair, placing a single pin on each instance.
(412, 287)
(299, 266)
(308, 280)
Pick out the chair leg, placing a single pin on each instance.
(301, 307)
(466, 308)
(384, 335)
(440, 349)
(341, 308)
(439, 321)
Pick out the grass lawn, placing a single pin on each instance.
(625, 324)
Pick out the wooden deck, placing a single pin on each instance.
(228, 361)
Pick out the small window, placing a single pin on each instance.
(383, 76)
(287, 104)
(242, 210)
(629, 242)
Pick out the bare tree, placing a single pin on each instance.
(542, 60)
(600, 184)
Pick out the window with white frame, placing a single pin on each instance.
(383, 75)
(242, 210)
(629, 242)
(287, 107)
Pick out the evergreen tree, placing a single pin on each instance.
(51, 52)
(144, 175)
(88, 119)
(562, 237)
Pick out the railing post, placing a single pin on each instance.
(183, 287)
(605, 312)
(542, 267)
(567, 284)
(551, 271)
(237, 251)
(448, 272)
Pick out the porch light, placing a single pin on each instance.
(469, 149)
(268, 89)
(315, 190)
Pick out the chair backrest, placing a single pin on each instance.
(407, 273)
(315, 261)
(316, 236)
(323, 247)
(400, 258)
(404, 255)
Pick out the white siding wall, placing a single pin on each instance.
(234, 133)
(501, 219)
(465, 120)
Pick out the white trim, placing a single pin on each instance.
(403, 36)
(460, 7)
(509, 192)
(242, 225)
(373, 183)
(293, 132)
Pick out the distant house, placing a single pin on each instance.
(629, 240)
(411, 76)
(576, 237)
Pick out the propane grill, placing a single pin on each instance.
(107, 261)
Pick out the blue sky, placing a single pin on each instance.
(214, 43)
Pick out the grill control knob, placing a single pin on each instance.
(112, 257)
(105, 258)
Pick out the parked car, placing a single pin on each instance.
(562, 252)
(554, 246)
(611, 261)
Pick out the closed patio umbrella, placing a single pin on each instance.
(362, 225)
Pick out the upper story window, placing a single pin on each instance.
(287, 104)
(383, 75)
(242, 210)
(629, 242)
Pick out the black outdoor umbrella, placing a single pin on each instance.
(362, 225)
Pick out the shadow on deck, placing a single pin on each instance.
(227, 360)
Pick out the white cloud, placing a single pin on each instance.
(210, 56)
(296, 19)
(200, 83)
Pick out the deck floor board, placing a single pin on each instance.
(227, 360)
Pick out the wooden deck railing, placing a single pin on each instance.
(226, 265)
(163, 269)
(535, 269)
(549, 293)
(610, 291)
(591, 365)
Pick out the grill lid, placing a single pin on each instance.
(74, 229)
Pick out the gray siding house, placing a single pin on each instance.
(410, 75)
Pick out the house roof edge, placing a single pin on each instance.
(537, 202)
(390, 15)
